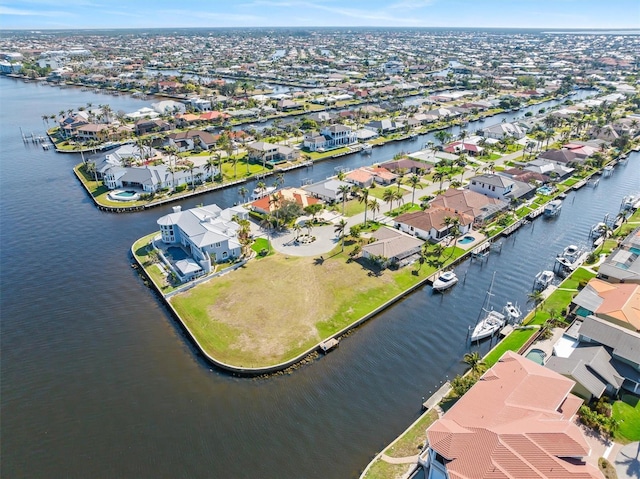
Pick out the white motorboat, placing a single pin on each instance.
(492, 320)
(598, 229)
(445, 281)
(262, 192)
(512, 312)
(366, 149)
(569, 256)
(544, 279)
(553, 208)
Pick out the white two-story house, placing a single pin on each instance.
(493, 186)
(209, 234)
(333, 136)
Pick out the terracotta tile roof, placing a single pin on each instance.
(620, 301)
(298, 196)
(514, 423)
(464, 201)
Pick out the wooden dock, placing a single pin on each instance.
(535, 213)
(329, 344)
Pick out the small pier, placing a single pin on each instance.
(329, 344)
(510, 229)
(482, 251)
(535, 213)
(436, 397)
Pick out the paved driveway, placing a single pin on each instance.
(627, 462)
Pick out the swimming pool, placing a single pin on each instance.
(466, 240)
(537, 356)
(176, 253)
(124, 195)
(545, 190)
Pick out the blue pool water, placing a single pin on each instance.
(466, 240)
(545, 190)
(537, 356)
(126, 194)
(176, 253)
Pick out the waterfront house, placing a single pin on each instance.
(469, 148)
(431, 224)
(604, 358)
(407, 165)
(515, 422)
(270, 153)
(144, 126)
(549, 169)
(392, 248)
(476, 205)
(500, 131)
(623, 264)
(492, 185)
(208, 234)
(333, 136)
(384, 126)
(618, 303)
(190, 139)
(327, 190)
(267, 205)
(150, 178)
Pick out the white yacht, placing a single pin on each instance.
(262, 192)
(445, 281)
(492, 320)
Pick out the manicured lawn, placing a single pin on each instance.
(352, 207)
(384, 470)
(259, 244)
(513, 342)
(627, 413)
(413, 440)
(378, 191)
(406, 208)
(291, 305)
(141, 250)
(578, 275)
(314, 155)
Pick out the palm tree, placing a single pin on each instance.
(363, 197)
(339, 228)
(190, 167)
(399, 197)
(389, 197)
(344, 191)
(266, 224)
(475, 362)
(297, 228)
(243, 192)
(218, 158)
(461, 161)
(374, 206)
(414, 181)
(91, 168)
(536, 297)
(439, 175)
(210, 166)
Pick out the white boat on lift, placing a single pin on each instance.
(445, 281)
(543, 279)
(552, 208)
(512, 312)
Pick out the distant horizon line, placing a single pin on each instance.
(363, 27)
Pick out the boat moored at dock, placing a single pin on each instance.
(552, 208)
(543, 279)
(445, 281)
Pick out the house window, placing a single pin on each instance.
(224, 255)
(217, 245)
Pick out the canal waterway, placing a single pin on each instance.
(97, 380)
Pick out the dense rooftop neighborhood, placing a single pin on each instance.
(331, 92)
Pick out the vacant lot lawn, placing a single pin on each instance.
(627, 413)
(274, 309)
(352, 207)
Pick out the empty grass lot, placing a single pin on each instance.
(275, 309)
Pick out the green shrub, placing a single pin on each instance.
(181, 187)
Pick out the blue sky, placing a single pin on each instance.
(41, 14)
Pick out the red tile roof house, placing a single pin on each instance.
(300, 197)
(514, 423)
(429, 224)
(463, 147)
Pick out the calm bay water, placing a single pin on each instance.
(98, 381)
